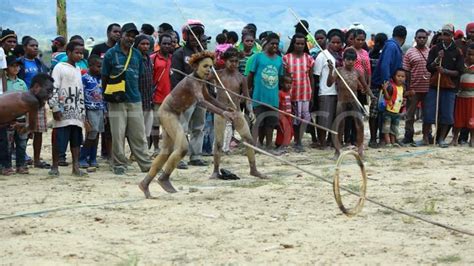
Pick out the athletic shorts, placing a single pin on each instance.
(266, 117)
(41, 121)
(391, 123)
(96, 120)
(69, 134)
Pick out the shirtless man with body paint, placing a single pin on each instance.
(233, 80)
(174, 145)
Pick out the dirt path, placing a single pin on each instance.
(292, 218)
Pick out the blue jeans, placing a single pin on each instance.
(20, 141)
(5, 156)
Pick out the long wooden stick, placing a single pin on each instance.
(202, 48)
(437, 104)
(335, 69)
(256, 101)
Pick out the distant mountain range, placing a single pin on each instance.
(90, 18)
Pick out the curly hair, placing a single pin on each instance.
(196, 58)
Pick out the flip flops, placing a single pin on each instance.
(53, 172)
(198, 162)
(227, 175)
(42, 165)
(443, 144)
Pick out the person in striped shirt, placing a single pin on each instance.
(418, 79)
(299, 64)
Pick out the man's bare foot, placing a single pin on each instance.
(336, 156)
(215, 175)
(256, 173)
(79, 173)
(145, 190)
(454, 143)
(166, 185)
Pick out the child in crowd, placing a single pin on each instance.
(16, 138)
(393, 93)
(95, 108)
(221, 47)
(285, 128)
(464, 110)
(68, 109)
(346, 103)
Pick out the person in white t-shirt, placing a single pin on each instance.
(3, 65)
(327, 100)
(68, 108)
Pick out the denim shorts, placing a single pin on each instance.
(447, 99)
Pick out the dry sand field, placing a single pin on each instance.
(292, 218)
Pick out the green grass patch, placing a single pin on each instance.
(131, 260)
(448, 259)
(257, 183)
(430, 208)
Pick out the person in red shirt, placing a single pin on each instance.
(285, 128)
(161, 78)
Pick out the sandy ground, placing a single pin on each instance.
(291, 219)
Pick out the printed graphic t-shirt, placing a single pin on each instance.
(267, 72)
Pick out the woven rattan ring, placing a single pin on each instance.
(362, 189)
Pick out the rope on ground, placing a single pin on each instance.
(462, 231)
(36, 213)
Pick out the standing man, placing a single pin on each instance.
(445, 62)
(390, 60)
(193, 119)
(414, 62)
(161, 79)
(126, 118)
(113, 36)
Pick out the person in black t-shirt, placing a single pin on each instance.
(113, 35)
